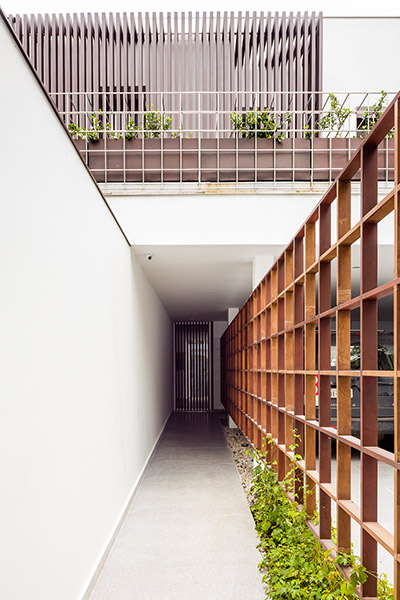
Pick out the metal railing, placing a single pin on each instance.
(282, 340)
(222, 136)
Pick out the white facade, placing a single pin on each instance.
(85, 351)
(360, 53)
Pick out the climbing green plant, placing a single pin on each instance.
(261, 124)
(372, 114)
(294, 564)
(335, 117)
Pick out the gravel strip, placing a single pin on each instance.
(244, 462)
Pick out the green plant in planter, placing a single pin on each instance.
(132, 130)
(308, 132)
(155, 122)
(99, 127)
(335, 118)
(372, 114)
(77, 131)
(294, 564)
(261, 124)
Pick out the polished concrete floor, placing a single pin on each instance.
(189, 534)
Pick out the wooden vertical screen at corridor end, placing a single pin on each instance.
(279, 346)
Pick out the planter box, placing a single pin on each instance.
(103, 157)
(232, 158)
(254, 160)
(293, 160)
(145, 159)
(330, 156)
(208, 160)
(225, 160)
(180, 159)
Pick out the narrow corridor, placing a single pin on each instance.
(189, 534)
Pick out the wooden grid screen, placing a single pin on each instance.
(282, 338)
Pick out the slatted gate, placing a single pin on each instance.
(193, 366)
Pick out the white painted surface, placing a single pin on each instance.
(261, 265)
(232, 312)
(231, 423)
(200, 282)
(212, 219)
(85, 351)
(219, 328)
(359, 54)
(200, 270)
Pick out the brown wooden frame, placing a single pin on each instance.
(269, 358)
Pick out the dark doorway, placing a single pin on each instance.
(193, 366)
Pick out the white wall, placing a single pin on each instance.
(261, 266)
(218, 329)
(359, 54)
(85, 351)
(232, 312)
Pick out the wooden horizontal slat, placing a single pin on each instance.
(380, 534)
(351, 509)
(329, 489)
(351, 236)
(330, 254)
(377, 373)
(381, 210)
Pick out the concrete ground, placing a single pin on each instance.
(189, 533)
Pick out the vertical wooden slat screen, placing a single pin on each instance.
(281, 340)
(193, 342)
(249, 51)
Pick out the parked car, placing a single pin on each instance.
(385, 386)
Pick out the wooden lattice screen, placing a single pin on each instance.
(282, 338)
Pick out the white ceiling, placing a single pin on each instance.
(201, 282)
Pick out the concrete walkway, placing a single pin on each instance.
(189, 534)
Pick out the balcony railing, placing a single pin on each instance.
(222, 136)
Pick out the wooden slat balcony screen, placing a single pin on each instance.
(172, 52)
(282, 339)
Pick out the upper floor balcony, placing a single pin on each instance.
(219, 137)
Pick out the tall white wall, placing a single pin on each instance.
(218, 329)
(85, 349)
(359, 54)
